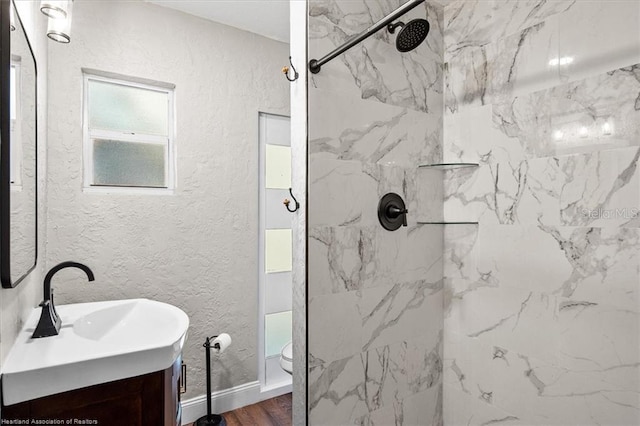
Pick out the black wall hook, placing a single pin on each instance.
(285, 71)
(286, 202)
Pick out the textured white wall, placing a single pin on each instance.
(196, 249)
(17, 303)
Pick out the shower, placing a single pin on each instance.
(411, 35)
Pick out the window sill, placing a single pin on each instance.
(126, 190)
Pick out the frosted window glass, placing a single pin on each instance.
(277, 130)
(276, 216)
(130, 164)
(277, 332)
(278, 292)
(127, 109)
(278, 256)
(278, 167)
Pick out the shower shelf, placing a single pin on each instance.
(447, 166)
(445, 223)
(444, 167)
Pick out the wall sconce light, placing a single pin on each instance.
(606, 129)
(59, 29)
(12, 18)
(54, 9)
(558, 135)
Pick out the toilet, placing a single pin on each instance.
(286, 358)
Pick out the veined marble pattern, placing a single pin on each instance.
(596, 366)
(372, 132)
(394, 383)
(460, 257)
(430, 195)
(347, 192)
(416, 409)
(541, 299)
(600, 189)
(353, 258)
(591, 38)
(572, 262)
(601, 112)
(566, 261)
(599, 36)
(347, 324)
(511, 66)
(539, 334)
(598, 113)
(363, 289)
(478, 22)
(471, 137)
(469, 410)
(375, 69)
(375, 297)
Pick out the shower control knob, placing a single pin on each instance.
(392, 212)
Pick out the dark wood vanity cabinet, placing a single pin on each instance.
(149, 400)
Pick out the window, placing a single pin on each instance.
(128, 133)
(275, 279)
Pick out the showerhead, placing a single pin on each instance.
(411, 35)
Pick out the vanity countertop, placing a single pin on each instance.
(99, 342)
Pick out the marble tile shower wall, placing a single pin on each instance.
(541, 298)
(375, 297)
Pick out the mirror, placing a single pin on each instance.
(18, 163)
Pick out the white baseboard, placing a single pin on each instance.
(230, 399)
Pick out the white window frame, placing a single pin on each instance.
(15, 137)
(90, 134)
(266, 387)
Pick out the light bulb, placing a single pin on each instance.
(55, 9)
(60, 29)
(565, 60)
(583, 132)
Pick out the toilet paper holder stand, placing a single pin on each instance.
(210, 419)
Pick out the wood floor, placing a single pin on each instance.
(272, 412)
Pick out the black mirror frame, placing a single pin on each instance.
(5, 120)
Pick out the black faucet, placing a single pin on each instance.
(49, 324)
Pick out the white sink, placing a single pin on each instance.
(98, 343)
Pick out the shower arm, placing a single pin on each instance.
(316, 64)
